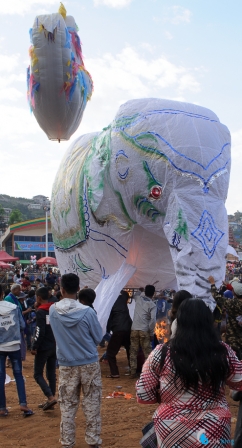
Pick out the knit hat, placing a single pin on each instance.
(237, 287)
(228, 294)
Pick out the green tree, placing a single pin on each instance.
(237, 215)
(2, 221)
(2, 212)
(15, 216)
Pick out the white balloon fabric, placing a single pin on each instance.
(109, 289)
(148, 191)
(59, 86)
(231, 251)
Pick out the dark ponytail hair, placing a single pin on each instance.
(196, 352)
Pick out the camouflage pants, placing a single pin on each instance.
(71, 381)
(138, 338)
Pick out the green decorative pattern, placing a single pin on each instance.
(81, 265)
(96, 164)
(146, 143)
(125, 122)
(182, 227)
(151, 180)
(145, 207)
(123, 208)
(70, 183)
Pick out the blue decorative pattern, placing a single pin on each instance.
(103, 271)
(124, 175)
(208, 234)
(68, 39)
(121, 153)
(103, 240)
(176, 239)
(31, 35)
(142, 204)
(205, 180)
(139, 117)
(205, 167)
(86, 211)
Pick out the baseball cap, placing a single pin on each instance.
(22, 295)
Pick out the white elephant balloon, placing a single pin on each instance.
(142, 202)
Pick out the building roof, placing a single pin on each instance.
(27, 224)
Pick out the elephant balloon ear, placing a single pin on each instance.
(96, 166)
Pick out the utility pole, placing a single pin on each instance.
(46, 208)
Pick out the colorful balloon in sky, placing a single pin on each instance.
(59, 85)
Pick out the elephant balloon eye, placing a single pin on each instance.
(156, 192)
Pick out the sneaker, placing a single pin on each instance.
(41, 405)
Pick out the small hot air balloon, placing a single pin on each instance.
(59, 86)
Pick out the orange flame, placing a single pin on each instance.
(162, 331)
(120, 395)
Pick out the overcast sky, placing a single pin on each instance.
(186, 50)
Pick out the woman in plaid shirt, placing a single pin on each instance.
(193, 410)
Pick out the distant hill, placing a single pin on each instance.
(22, 205)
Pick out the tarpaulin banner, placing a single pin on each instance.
(32, 246)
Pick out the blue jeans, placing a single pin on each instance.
(16, 361)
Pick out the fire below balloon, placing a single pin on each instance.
(162, 331)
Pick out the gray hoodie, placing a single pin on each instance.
(11, 322)
(77, 332)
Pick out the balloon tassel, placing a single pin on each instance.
(62, 10)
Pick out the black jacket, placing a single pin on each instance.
(43, 338)
(50, 279)
(119, 319)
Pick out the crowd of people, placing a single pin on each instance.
(234, 269)
(185, 374)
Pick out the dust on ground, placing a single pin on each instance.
(122, 420)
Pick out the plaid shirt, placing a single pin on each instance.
(181, 413)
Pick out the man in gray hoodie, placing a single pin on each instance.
(77, 333)
(11, 323)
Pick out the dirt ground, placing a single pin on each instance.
(122, 419)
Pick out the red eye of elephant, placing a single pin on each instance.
(155, 192)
